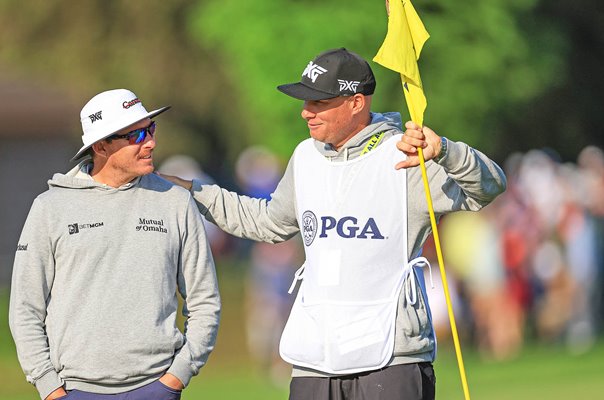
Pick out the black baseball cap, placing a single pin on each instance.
(333, 73)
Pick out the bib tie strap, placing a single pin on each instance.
(421, 262)
(298, 276)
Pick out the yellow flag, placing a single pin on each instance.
(400, 51)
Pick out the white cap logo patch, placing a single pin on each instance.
(348, 85)
(313, 71)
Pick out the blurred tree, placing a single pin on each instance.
(568, 115)
(502, 75)
(481, 59)
(90, 46)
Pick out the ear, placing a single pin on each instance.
(100, 149)
(358, 102)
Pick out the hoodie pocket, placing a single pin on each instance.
(413, 326)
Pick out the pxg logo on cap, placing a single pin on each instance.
(97, 116)
(334, 73)
(313, 71)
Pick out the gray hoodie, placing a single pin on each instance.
(94, 290)
(464, 179)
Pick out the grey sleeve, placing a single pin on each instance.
(33, 276)
(262, 220)
(198, 286)
(464, 179)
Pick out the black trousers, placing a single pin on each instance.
(397, 382)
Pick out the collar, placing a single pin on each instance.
(353, 148)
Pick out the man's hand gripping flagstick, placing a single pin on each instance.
(400, 51)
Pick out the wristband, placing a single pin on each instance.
(443, 149)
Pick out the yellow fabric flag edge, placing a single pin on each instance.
(400, 50)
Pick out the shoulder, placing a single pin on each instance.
(159, 184)
(305, 144)
(304, 150)
(50, 195)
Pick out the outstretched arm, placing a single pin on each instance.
(263, 220)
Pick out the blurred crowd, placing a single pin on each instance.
(529, 267)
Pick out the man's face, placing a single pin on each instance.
(132, 159)
(330, 121)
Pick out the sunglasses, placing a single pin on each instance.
(138, 135)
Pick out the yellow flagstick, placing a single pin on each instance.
(401, 48)
(443, 274)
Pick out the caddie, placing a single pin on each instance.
(360, 327)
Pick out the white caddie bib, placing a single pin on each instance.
(353, 220)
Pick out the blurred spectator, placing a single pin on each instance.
(188, 168)
(268, 303)
(271, 269)
(591, 168)
(531, 265)
(472, 243)
(258, 171)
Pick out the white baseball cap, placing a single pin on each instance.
(109, 112)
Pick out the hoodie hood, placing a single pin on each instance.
(79, 178)
(390, 122)
(386, 121)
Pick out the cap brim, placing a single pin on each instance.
(151, 114)
(300, 91)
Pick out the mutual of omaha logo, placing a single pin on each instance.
(97, 116)
(348, 85)
(151, 225)
(76, 228)
(313, 71)
(309, 227)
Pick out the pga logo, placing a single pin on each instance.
(347, 227)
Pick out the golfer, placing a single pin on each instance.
(102, 255)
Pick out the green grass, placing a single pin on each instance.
(539, 372)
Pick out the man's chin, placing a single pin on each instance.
(146, 170)
(316, 134)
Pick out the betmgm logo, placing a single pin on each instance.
(347, 227)
(75, 228)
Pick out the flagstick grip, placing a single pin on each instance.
(443, 274)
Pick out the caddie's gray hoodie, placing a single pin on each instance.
(464, 179)
(93, 298)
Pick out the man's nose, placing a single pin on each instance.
(306, 113)
(149, 141)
